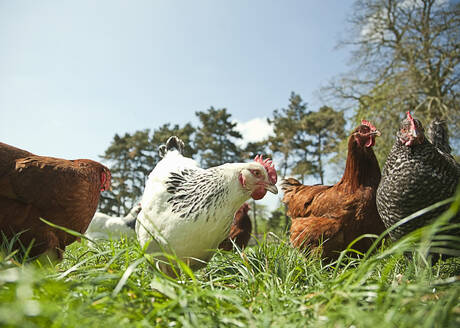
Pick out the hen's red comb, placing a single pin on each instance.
(269, 167)
(409, 116)
(411, 119)
(369, 124)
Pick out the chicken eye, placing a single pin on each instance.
(256, 173)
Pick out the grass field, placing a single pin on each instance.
(269, 285)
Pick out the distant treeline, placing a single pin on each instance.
(301, 141)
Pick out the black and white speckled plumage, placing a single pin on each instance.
(413, 178)
(193, 191)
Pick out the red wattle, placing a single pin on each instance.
(242, 180)
(103, 180)
(259, 193)
(370, 142)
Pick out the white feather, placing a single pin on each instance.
(104, 226)
(187, 237)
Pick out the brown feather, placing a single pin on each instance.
(64, 192)
(240, 231)
(340, 213)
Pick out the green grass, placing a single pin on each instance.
(269, 285)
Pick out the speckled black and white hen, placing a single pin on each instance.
(188, 211)
(416, 174)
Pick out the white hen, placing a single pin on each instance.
(188, 211)
(104, 226)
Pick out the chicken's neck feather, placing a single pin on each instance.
(197, 193)
(361, 169)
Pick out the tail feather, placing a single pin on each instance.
(162, 151)
(439, 136)
(289, 186)
(298, 197)
(173, 143)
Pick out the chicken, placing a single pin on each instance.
(104, 226)
(240, 232)
(416, 174)
(64, 192)
(188, 211)
(340, 213)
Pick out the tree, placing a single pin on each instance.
(142, 157)
(130, 159)
(253, 149)
(215, 138)
(289, 139)
(326, 126)
(406, 56)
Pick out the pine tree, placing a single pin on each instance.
(290, 140)
(215, 138)
(130, 159)
(253, 149)
(326, 127)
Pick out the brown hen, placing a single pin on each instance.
(336, 215)
(240, 231)
(64, 192)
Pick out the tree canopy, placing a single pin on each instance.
(303, 139)
(216, 138)
(289, 137)
(406, 56)
(130, 157)
(326, 127)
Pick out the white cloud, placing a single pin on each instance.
(254, 130)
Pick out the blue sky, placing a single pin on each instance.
(74, 73)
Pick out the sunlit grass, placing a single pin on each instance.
(270, 284)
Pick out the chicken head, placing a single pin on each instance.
(411, 131)
(259, 177)
(365, 134)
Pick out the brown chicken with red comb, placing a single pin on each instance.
(336, 215)
(64, 192)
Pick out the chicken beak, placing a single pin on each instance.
(271, 188)
(377, 133)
